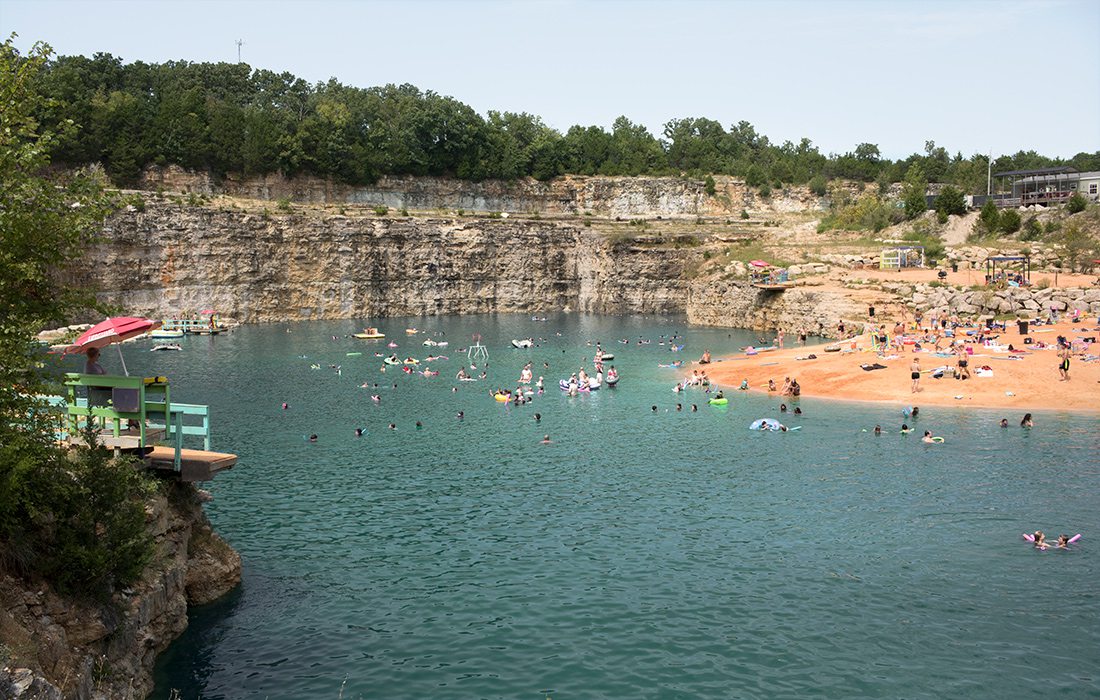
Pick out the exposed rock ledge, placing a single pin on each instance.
(55, 647)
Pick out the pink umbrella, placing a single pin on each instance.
(759, 263)
(113, 330)
(208, 312)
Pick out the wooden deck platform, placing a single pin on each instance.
(195, 465)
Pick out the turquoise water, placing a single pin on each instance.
(640, 554)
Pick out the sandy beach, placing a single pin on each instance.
(1031, 382)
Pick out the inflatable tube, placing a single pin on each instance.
(612, 381)
(502, 398)
(607, 356)
(719, 402)
(764, 424)
(354, 354)
(1075, 538)
(1031, 538)
(937, 439)
(391, 361)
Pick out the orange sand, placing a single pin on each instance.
(1033, 380)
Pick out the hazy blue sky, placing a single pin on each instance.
(973, 76)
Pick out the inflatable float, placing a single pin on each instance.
(502, 398)
(369, 334)
(719, 402)
(523, 344)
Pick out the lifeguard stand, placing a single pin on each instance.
(477, 351)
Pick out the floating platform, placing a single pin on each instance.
(777, 287)
(195, 465)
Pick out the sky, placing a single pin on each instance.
(973, 76)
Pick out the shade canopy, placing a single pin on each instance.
(112, 330)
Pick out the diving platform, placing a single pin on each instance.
(136, 415)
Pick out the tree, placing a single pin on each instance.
(72, 517)
(951, 201)
(913, 192)
(818, 185)
(989, 220)
(1077, 248)
(709, 186)
(1010, 221)
(1076, 203)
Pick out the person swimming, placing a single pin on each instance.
(313, 437)
(1040, 540)
(797, 411)
(878, 430)
(694, 408)
(905, 429)
(460, 415)
(782, 408)
(545, 439)
(1063, 541)
(358, 432)
(1004, 422)
(928, 436)
(1026, 421)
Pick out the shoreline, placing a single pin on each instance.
(1030, 383)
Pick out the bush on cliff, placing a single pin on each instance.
(69, 515)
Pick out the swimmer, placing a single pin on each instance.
(313, 437)
(1063, 541)
(878, 430)
(654, 408)
(376, 398)
(393, 426)
(358, 432)
(1026, 421)
(782, 408)
(905, 429)
(797, 411)
(1004, 422)
(545, 439)
(537, 417)
(916, 411)
(460, 415)
(1040, 540)
(285, 405)
(419, 425)
(694, 408)
(927, 436)
(679, 407)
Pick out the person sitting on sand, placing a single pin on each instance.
(1026, 421)
(771, 385)
(796, 388)
(786, 386)
(705, 359)
(744, 385)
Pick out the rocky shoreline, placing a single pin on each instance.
(58, 648)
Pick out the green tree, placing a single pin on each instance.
(709, 186)
(1076, 203)
(913, 192)
(989, 220)
(1076, 247)
(1033, 230)
(951, 201)
(64, 515)
(1010, 221)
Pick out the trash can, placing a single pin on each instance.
(954, 267)
(1022, 324)
(871, 311)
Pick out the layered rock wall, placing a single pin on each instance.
(57, 647)
(260, 267)
(736, 303)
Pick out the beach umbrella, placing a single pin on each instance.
(759, 263)
(207, 312)
(112, 330)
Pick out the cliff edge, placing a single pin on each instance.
(56, 647)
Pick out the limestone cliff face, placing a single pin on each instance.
(737, 303)
(55, 647)
(261, 266)
(570, 195)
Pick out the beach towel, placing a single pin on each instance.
(868, 368)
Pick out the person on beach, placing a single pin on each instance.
(705, 359)
(1063, 364)
(771, 385)
(796, 388)
(1026, 421)
(744, 385)
(914, 374)
(963, 363)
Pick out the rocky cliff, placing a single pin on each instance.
(55, 647)
(312, 263)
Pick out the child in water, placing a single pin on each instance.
(1063, 541)
(1040, 540)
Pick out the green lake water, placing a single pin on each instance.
(640, 554)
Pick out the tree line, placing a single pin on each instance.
(228, 118)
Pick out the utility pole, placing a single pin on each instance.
(240, 43)
(989, 175)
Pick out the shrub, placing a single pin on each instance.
(818, 185)
(989, 220)
(382, 210)
(951, 201)
(283, 204)
(755, 177)
(1010, 221)
(1033, 230)
(765, 191)
(709, 186)
(1076, 203)
(744, 214)
(405, 212)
